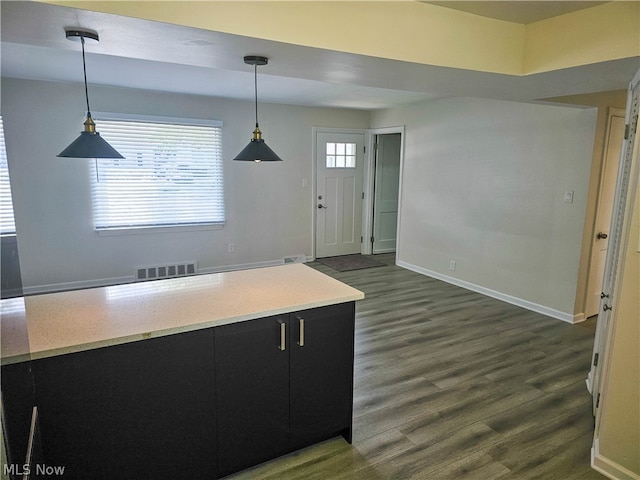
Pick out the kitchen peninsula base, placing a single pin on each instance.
(201, 400)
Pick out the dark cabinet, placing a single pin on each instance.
(252, 379)
(137, 410)
(283, 383)
(321, 374)
(200, 404)
(18, 400)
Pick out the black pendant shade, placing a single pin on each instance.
(89, 144)
(257, 150)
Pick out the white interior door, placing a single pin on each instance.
(386, 189)
(606, 195)
(339, 180)
(620, 215)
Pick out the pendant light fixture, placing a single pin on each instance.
(257, 150)
(89, 144)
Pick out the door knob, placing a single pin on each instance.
(321, 206)
(601, 236)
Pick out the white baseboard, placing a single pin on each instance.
(105, 282)
(609, 468)
(384, 250)
(535, 307)
(64, 286)
(579, 318)
(240, 266)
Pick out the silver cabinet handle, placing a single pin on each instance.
(32, 434)
(301, 340)
(283, 335)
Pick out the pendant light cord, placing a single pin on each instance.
(84, 68)
(255, 87)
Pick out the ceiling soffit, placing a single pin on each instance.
(407, 31)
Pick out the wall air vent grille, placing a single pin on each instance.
(157, 272)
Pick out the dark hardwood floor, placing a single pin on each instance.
(450, 384)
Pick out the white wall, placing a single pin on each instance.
(483, 184)
(269, 213)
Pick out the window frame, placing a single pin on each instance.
(167, 120)
(7, 195)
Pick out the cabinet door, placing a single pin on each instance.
(137, 410)
(252, 385)
(321, 373)
(18, 400)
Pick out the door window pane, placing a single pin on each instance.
(340, 155)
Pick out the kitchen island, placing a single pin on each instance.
(190, 377)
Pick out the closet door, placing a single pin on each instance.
(619, 220)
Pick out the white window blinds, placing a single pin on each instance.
(171, 174)
(7, 224)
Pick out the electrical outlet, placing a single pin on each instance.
(452, 265)
(231, 247)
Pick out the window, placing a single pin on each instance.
(341, 155)
(171, 174)
(7, 224)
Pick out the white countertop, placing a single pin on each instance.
(45, 325)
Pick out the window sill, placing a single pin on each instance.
(164, 229)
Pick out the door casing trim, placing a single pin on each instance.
(368, 181)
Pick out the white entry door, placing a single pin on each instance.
(386, 188)
(611, 161)
(339, 180)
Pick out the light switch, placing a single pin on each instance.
(568, 196)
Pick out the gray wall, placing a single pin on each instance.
(483, 184)
(269, 213)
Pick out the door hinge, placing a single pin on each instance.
(375, 146)
(363, 195)
(598, 401)
(372, 239)
(626, 131)
(364, 149)
(595, 360)
(361, 239)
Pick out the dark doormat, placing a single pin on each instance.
(344, 263)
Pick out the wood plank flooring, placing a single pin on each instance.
(450, 384)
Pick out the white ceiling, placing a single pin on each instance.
(152, 55)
